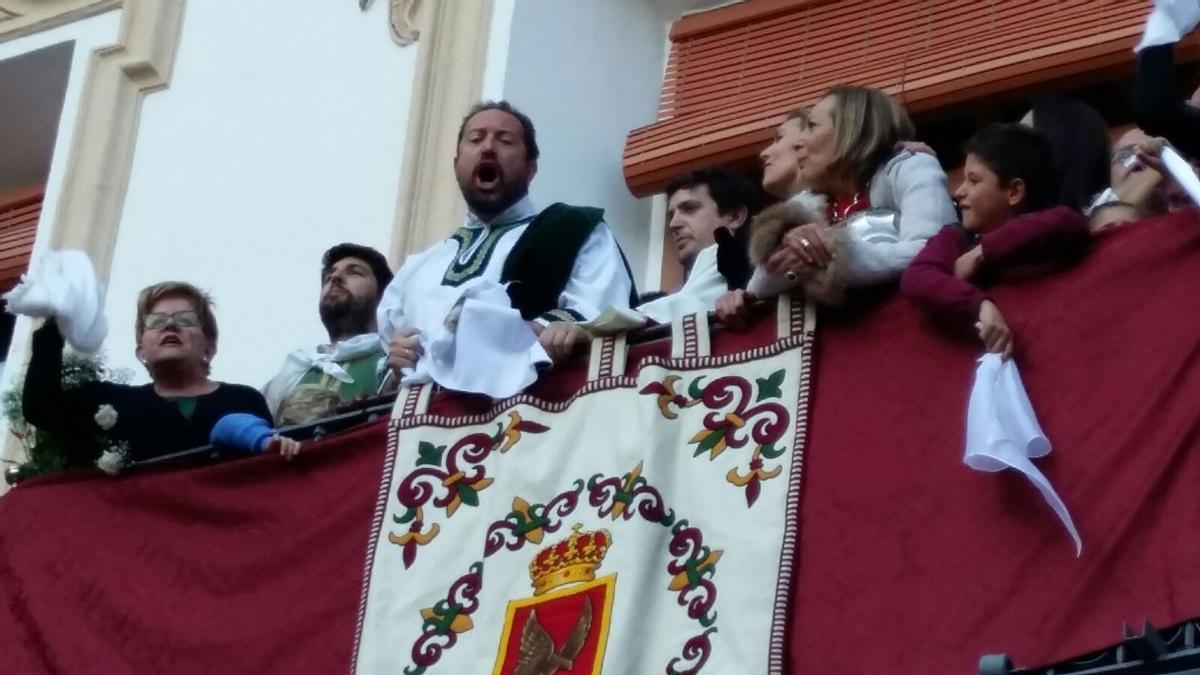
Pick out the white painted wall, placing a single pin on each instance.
(87, 35)
(282, 133)
(587, 72)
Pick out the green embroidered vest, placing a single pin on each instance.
(541, 261)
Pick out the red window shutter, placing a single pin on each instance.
(733, 73)
(19, 213)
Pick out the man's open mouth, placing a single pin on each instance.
(487, 175)
(171, 340)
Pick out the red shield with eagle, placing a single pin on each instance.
(563, 628)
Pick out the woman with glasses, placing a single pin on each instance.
(176, 341)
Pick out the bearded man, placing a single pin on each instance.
(480, 310)
(313, 382)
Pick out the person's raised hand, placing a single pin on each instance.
(1149, 154)
(1138, 188)
(404, 349)
(994, 331)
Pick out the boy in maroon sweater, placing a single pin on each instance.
(1008, 185)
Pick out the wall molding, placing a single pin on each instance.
(101, 156)
(19, 18)
(401, 19)
(98, 163)
(449, 78)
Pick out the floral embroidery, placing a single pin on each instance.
(740, 413)
(451, 479)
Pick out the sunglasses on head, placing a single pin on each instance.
(185, 319)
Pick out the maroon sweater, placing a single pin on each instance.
(1051, 236)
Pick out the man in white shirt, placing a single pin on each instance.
(511, 283)
(707, 215)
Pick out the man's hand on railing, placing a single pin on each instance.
(560, 338)
(733, 309)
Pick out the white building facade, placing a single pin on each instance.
(229, 143)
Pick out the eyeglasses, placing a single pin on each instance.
(1122, 154)
(185, 319)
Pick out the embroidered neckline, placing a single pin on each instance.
(460, 271)
(840, 209)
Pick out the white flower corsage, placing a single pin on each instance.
(106, 417)
(114, 459)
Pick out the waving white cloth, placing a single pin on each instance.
(324, 358)
(1169, 22)
(1003, 433)
(475, 341)
(63, 285)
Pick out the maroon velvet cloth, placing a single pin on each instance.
(1053, 236)
(912, 563)
(251, 566)
(909, 562)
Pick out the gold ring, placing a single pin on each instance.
(805, 243)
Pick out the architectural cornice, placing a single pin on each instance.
(98, 166)
(24, 17)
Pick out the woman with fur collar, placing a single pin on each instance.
(847, 157)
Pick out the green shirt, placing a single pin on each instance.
(187, 405)
(318, 394)
(361, 370)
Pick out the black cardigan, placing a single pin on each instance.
(1157, 105)
(152, 425)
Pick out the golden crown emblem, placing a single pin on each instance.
(570, 561)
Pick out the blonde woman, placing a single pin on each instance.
(856, 151)
(849, 155)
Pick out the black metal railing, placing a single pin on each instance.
(360, 412)
(1174, 651)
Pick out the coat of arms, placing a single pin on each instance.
(564, 626)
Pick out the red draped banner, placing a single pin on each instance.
(912, 563)
(909, 561)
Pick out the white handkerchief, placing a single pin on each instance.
(1003, 432)
(487, 349)
(1169, 22)
(1182, 172)
(63, 285)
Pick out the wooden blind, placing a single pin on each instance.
(733, 73)
(19, 213)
